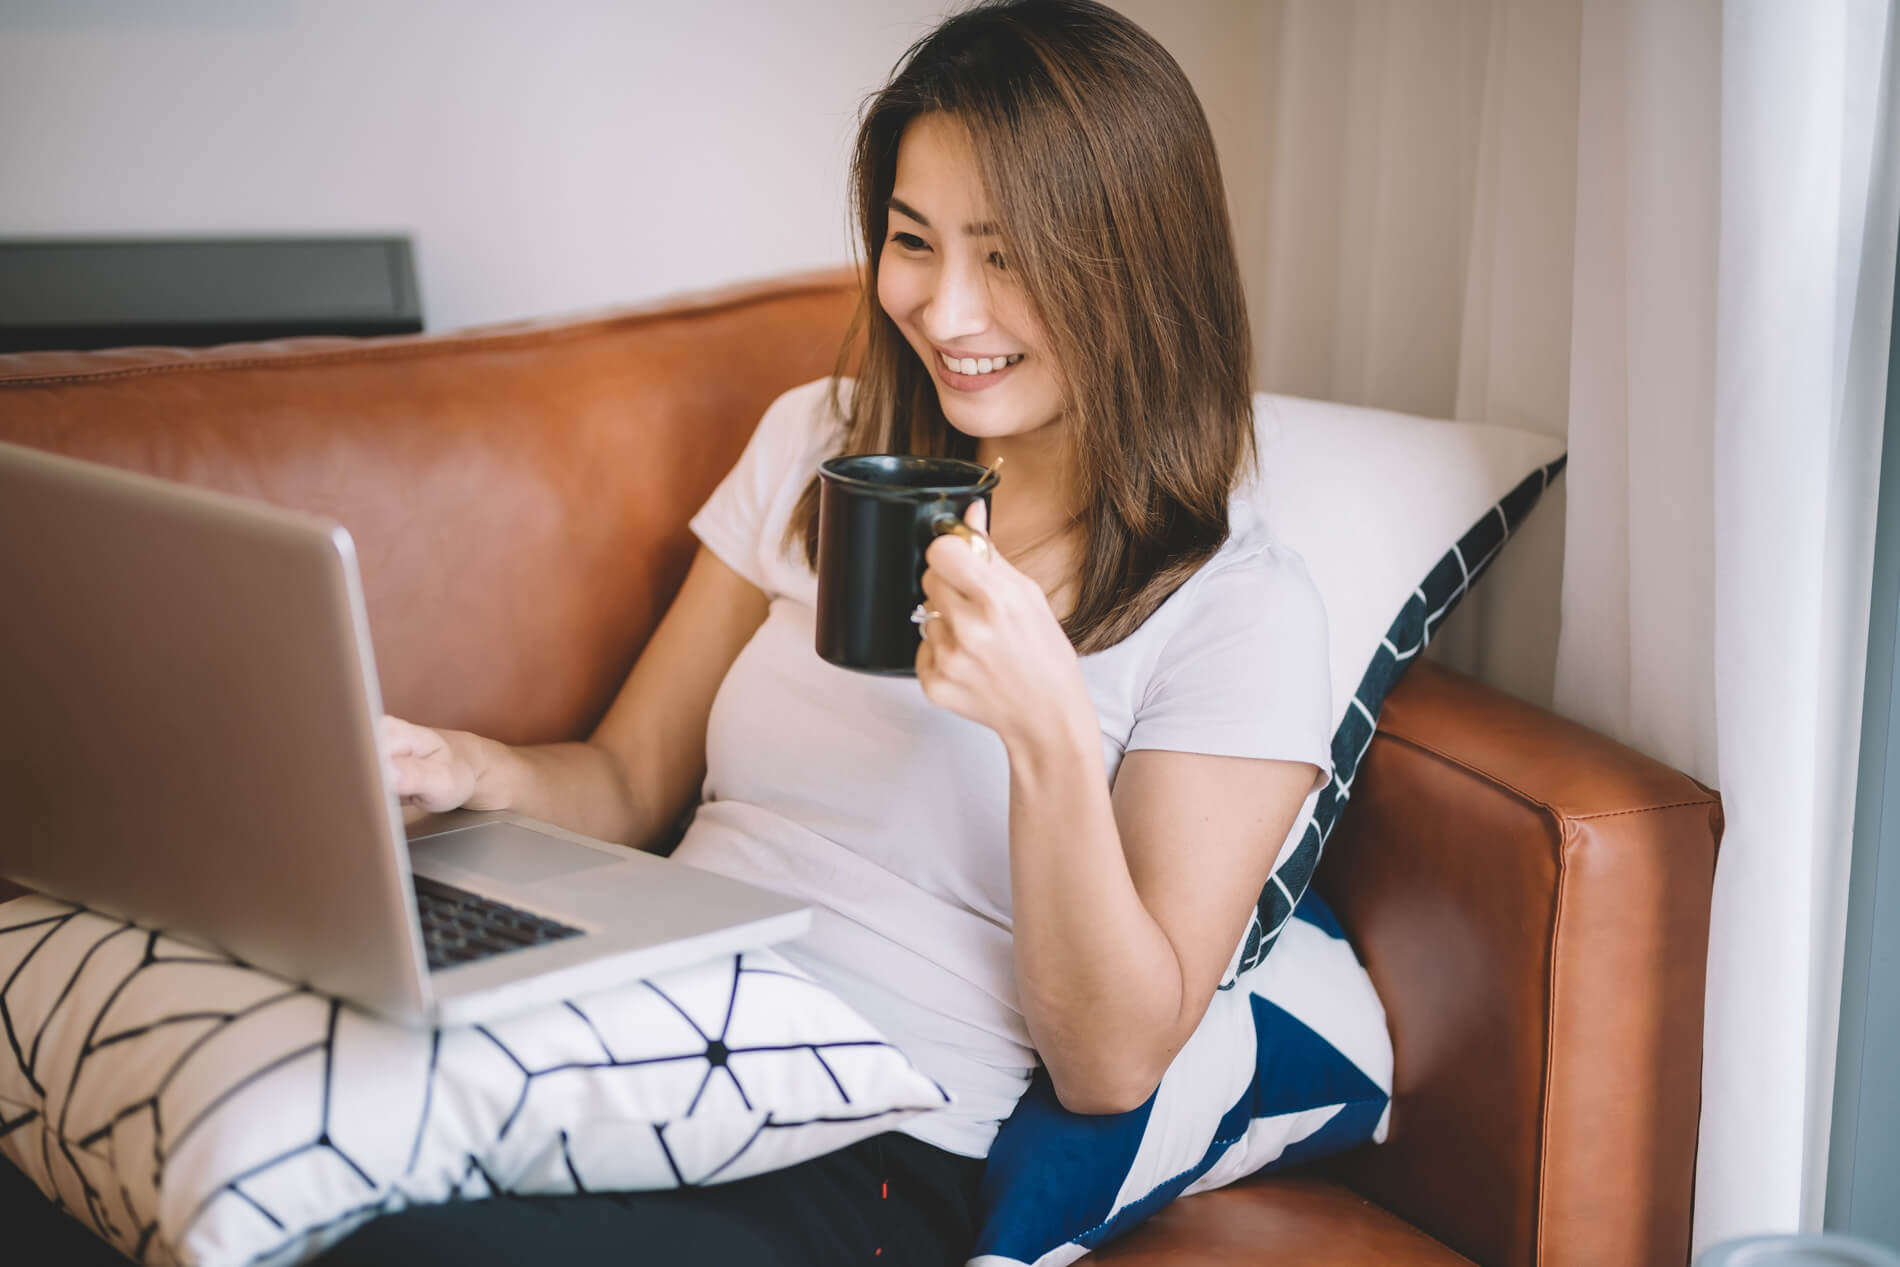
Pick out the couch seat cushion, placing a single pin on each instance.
(1277, 1220)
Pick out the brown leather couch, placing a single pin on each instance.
(1531, 898)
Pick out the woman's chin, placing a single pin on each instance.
(984, 418)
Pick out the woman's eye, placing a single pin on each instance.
(909, 241)
(997, 261)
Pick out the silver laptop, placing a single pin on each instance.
(188, 740)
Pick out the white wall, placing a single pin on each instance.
(545, 157)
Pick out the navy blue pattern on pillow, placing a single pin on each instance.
(1449, 580)
(1055, 1179)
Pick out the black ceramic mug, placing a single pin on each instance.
(877, 514)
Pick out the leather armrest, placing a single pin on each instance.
(1532, 901)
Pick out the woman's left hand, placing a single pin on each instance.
(993, 650)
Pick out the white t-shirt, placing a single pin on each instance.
(890, 815)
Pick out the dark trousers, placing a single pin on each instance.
(888, 1201)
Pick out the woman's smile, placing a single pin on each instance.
(966, 372)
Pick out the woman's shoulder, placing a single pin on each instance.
(811, 411)
(1253, 577)
(1255, 556)
(1247, 631)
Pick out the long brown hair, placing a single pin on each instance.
(1100, 170)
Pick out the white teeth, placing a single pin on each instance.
(979, 364)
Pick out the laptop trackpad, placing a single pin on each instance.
(511, 854)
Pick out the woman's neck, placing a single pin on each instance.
(1033, 516)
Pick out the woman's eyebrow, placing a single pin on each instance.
(982, 229)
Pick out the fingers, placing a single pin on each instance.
(931, 674)
(938, 628)
(953, 562)
(951, 603)
(422, 766)
(978, 515)
(406, 739)
(431, 785)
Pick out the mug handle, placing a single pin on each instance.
(954, 526)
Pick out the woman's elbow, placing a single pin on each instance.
(1105, 1092)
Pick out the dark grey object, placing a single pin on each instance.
(877, 514)
(101, 293)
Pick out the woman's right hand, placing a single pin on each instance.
(433, 771)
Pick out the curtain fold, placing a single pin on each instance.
(1635, 654)
(1804, 304)
(1402, 178)
(1665, 230)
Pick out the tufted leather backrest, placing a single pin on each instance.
(518, 494)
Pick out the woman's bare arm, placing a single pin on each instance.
(640, 769)
(1128, 905)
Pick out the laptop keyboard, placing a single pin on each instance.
(460, 927)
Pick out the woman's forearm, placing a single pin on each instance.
(579, 786)
(1101, 984)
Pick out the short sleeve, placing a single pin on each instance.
(743, 521)
(1246, 670)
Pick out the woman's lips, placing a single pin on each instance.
(964, 382)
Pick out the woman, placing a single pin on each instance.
(1048, 846)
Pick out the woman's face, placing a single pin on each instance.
(943, 279)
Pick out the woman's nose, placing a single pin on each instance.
(958, 307)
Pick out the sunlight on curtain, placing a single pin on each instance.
(1804, 304)
(1403, 184)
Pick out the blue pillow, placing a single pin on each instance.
(1292, 1061)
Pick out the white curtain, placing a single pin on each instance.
(1403, 178)
(1803, 307)
(1665, 229)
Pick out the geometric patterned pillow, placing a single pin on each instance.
(190, 1109)
(1391, 514)
(1294, 1064)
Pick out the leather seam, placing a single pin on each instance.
(1492, 777)
(1488, 776)
(1641, 809)
(1550, 1039)
(421, 346)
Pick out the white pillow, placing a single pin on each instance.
(1375, 501)
(193, 1110)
